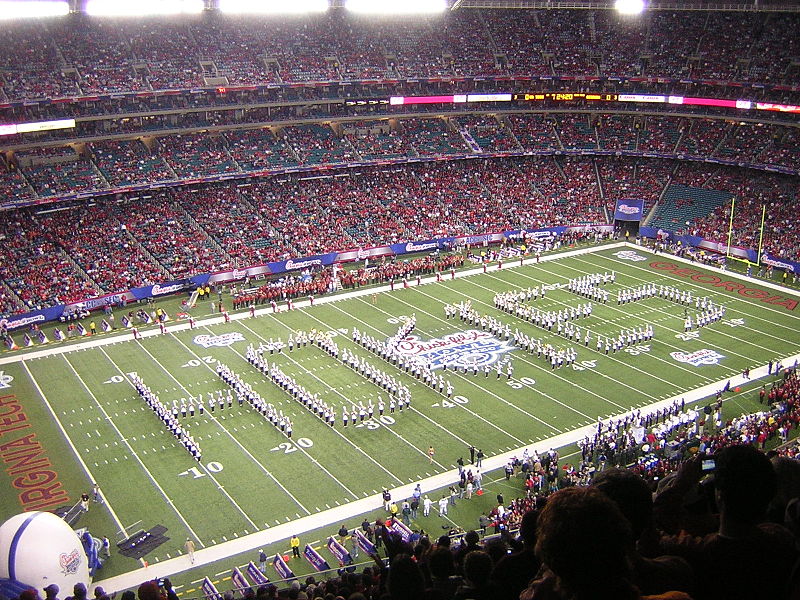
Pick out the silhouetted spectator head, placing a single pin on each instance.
(787, 471)
(631, 494)
(441, 563)
(443, 541)
(405, 579)
(478, 568)
(496, 548)
(745, 482)
(128, 595)
(586, 541)
(527, 527)
(149, 591)
(472, 538)
(30, 594)
(51, 591)
(79, 591)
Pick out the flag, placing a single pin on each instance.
(364, 543)
(57, 333)
(256, 575)
(81, 329)
(239, 581)
(312, 556)
(339, 551)
(42, 337)
(400, 529)
(210, 590)
(104, 325)
(282, 568)
(26, 339)
(10, 343)
(727, 387)
(125, 322)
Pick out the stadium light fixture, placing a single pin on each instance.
(141, 8)
(27, 10)
(629, 7)
(272, 7)
(396, 7)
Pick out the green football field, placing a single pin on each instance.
(79, 419)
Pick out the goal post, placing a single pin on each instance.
(728, 254)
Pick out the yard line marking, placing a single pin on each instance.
(660, 340)
(480, 387)
(708, 291)
(339, 433)
(611, 357)
(209, 473)
(132, 451)
(407, 376)
(535, 365)
(338, 393)
(263, 468)
(72, 445)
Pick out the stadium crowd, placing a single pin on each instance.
(85, 56)
(123, 242)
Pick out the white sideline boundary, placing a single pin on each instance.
(346, 512)
(153, 331)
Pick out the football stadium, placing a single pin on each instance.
(368, 299)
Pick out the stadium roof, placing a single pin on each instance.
(10, 9)
(735, 5)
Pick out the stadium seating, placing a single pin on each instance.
(84, 56)
(257, 149)
(317, 143)
(248, 223)
(576, 131)
(489, 133)
(196, 155)
(125, 163)
(681, 204)
(433, 137)
(534, 132)
(90, 56)
(376, 140)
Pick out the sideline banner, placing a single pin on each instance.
(313, 557)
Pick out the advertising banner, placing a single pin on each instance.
(313, 557)
(339, 551)
(256, 575)
(238, 580)
(282, 568)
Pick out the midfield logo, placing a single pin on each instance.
(630, 255)
(226, 339)
(464, 349)
(699, 358)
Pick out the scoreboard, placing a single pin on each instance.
(593, 97)
(566, 96)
